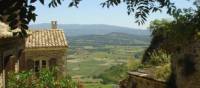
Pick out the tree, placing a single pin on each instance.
(18, 13)
(179, 38)
(160, 35)
(171, 35)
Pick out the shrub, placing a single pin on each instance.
(42, 79)
(133, 64)
(114, 74)
(163, 72)
(159, 57)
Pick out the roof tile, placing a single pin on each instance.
(46, 39)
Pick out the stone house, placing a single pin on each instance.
(42, 49)
(46, 49)
(11, 53)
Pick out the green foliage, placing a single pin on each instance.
(172, 36)
(42, 79)
(163, 72)
(97, 85)
(161, 33)
(19, 13)
(133, 64)
(114, 74)
(20, 80)
(86, 67)
(92, 62)
(185, 26)
(160, 27)
(159, 57)
(142, 8)
(100, 65)
(47, 79)
(67, 82)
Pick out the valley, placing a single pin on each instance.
(101, 61)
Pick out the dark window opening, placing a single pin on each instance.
(36, 66)
(44, 64)
(40, 64)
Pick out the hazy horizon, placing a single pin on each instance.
(92, 25)
(77, 29)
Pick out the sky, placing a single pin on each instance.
(90, 12)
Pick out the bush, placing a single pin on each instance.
(42, 79)
(163, 72)
(134, 64)
(114, 74)
(159, 57)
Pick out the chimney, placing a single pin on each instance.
(53, 25)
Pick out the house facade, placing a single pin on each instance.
(42, 49)
(46, 49)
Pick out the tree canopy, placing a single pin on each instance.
(175, 34)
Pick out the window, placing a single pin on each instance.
(40, 64)
(44, 64)
(36, 66)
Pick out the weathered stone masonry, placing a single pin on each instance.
(186, 65)
(47, 49)
(11, 57)
(141, 80)
(55, 58)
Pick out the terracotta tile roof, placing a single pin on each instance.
(46, 39)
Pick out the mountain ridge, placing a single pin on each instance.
(88, 29)
(114, 38)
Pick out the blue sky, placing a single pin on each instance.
(90, 12)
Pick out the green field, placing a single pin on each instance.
(90, 63)
(100, 61)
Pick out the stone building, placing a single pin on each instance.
(46, 49)
(42, 49)
(11, 52)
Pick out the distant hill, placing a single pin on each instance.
(93, 29)
(114, 38)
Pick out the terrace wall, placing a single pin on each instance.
(140, 80)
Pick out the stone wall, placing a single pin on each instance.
(186, 65)
(141, 80)
(11, 55)
(56, 57)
